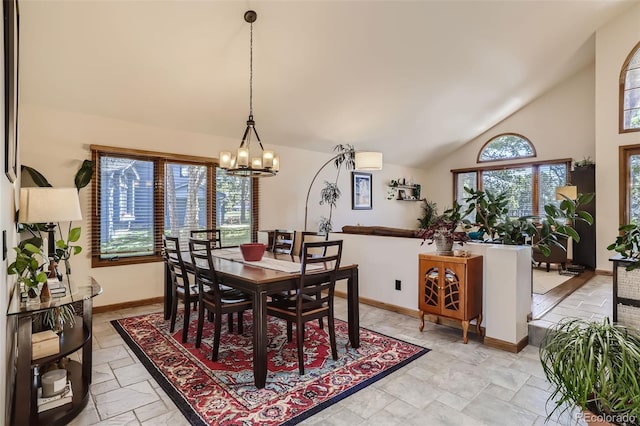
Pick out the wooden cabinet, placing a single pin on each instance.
(73, 339)
(584, 252)
(450, 287)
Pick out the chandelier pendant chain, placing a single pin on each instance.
(244, 164)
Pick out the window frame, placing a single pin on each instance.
(160, 159)
(482, 148)
(624, 152)
(623, 78)
(535, 187)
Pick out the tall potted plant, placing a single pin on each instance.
(330, 193)
(593, 366)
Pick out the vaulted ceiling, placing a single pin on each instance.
(414, 79)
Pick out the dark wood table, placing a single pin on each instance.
(261, 282)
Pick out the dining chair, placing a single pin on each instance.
(181, 287)
(208, 234)
(311, 236)
(313, 298)
(283, 241)
(216, 300)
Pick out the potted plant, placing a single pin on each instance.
(28, 266)
(492, 217)
(330, 193)
(444, 230)
(627, 244)
(429, 213)
(593, 366)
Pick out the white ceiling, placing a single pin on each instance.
(414, 79)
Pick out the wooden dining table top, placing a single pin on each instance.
(254, 273)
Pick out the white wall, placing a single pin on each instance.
(56, 142)
(8, 202)
(559, 124)
(614, 42)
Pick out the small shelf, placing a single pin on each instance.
(63, 414)
(404, 192)
(71, 339)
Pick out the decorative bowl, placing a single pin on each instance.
(252, 252)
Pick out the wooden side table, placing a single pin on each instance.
(451, 287)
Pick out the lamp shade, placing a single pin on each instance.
(568, 191)
(368, 160)
(43, 205)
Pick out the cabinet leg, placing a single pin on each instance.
(478, 322)
(421, 320)
(465, 329)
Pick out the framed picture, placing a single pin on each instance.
(361, 191)
(11, 19)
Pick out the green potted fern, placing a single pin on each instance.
(595, 367)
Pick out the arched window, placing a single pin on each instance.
(507, 146)
(630, 92)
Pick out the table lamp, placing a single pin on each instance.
(49, 205)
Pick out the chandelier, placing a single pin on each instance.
(244, 163)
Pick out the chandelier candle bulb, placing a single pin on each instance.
(225, 159)
(256, 162)
(267, 159)
(243, 157)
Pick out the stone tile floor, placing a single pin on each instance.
(454, 384)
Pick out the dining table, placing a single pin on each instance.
(273, 274)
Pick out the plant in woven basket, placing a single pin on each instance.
(627, 244)
(593, 366)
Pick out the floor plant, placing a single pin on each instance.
(593, 366)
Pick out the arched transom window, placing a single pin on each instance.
(630, 92)
(508, 146)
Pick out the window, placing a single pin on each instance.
(236, 207)
(529, 185)
(630, 184)
(141, 195)
(508, 146)
(630, 92)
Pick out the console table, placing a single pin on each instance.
(72, 339)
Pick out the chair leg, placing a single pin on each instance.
(216, 336)
(240, 319)
(318, 296)
(210, 316)
(174, 312)
(300, 341)
(230, 319)
(332, 336)
(289, 331)
(548, 266)
(185, 325)
(200, 324)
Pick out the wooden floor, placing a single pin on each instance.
(543, 303)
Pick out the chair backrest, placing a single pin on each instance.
(173, 259)
(283, 241)
(203, 267)
(312, 282)
(208, 234)
(312, 236)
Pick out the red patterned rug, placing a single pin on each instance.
(222, 392)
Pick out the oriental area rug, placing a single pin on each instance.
(223, 393)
